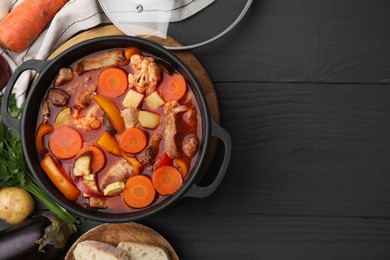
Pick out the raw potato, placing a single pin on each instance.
(16, 205)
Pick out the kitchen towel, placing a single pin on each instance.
(150, 17)
(186, 8)
(155, 11)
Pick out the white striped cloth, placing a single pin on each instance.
(158, 11)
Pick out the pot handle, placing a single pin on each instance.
(202, 192)
(11, 122)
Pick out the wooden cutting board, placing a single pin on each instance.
(186, 56)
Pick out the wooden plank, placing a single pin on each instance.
(250, 236)
(238, 235)
(241, 235)
(307, 149)
(308, 177)
(305, 41)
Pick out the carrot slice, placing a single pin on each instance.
(65, 142)
(139, 192)
(167, 180)
(133, 140)
(173, 88)
(131, 51)
(98, 157)
(59, 179)
(113, 82)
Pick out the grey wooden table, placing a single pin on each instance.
(304, 90)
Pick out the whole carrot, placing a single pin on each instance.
(25, 22)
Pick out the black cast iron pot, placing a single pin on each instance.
(47, 71)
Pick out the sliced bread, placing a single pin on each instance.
(138, 251)
(90, 249)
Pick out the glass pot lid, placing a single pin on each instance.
(176, 24)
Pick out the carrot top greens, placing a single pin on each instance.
(14, 170)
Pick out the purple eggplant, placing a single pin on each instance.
(41, 237)
(5, 72)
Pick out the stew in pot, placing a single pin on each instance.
(118, 130)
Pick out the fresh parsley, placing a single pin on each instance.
(14, 170)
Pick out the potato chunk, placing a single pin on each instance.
(154, 100)
(132, 99)
(148, 119)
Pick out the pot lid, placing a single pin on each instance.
(177, 24)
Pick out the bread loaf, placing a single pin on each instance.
(90, 249)
(138, 251)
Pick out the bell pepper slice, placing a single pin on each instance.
(137, 166)
(109, 143)
(112, 111)
(59, 179)
(43, 129)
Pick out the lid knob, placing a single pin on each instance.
(139, 8)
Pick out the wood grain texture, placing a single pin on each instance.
(308, 149)
(257, 236)
(309, 177)
(305, 41)
(303, 89)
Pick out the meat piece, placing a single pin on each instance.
(130, 117)
(86, 83)
(58, 97)
(96, 202)
(84, 99)
(190, 146)
(170, 134)
(149, 154)
(120, 171)
(45, 110)
(146, 74)
(171, 109)
(110, 59)
(191, 117)
(65, 75)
